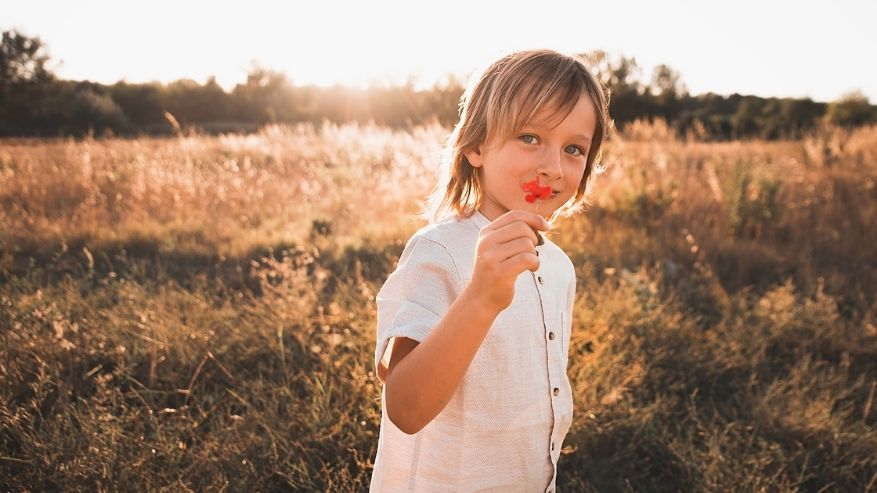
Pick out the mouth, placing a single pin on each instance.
(533, 191)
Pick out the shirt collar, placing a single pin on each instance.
(479, 219)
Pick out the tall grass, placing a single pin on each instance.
(197, 313)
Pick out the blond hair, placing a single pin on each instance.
(505, 97)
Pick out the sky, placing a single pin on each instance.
(802, 48)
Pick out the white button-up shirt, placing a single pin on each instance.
(504, 426)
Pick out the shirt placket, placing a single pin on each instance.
(552, 343)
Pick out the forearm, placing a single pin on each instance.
(422, 384)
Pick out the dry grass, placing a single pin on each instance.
(196, 313)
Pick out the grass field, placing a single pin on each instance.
(196, 313)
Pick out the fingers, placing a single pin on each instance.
(513, 257)
(522, 261)
(507, 245)
(511, 248)
(514, 231)
(534, 220)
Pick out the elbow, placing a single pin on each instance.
(402, 416)
(403, 424)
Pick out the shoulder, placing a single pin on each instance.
(454, 234)
(447, 243)
(448, 231)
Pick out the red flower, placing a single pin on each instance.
(534, 190)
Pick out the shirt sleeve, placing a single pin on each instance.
(416, 295)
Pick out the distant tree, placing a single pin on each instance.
(787, 117)
(621, 74)
(191, 102)
(443, 99)
(266, 97)
(24, 81)
(707, 115)
(667, 82)
(141, 103)
(773, 121)
(22, 60)
(745, 121)
(851, 109)
(623, 77)
(666, 89)
(74, 108)
(800, 115)
(93, 110)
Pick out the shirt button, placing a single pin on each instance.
(552, 446)
(551, 336)
(556, 391)
(539, 278)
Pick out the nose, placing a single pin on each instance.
(550, 166)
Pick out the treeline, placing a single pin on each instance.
(34, 102)
(63, 107)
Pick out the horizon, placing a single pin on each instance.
(378, 44)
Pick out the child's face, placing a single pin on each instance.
(554, 153)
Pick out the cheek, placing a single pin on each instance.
(574, 176)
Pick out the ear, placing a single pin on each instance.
(475, 157)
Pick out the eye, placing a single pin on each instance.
(529, 139)
(575, 150)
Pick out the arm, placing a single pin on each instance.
(422, 378)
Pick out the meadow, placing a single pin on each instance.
(197, 313)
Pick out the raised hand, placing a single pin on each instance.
(506, 247)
